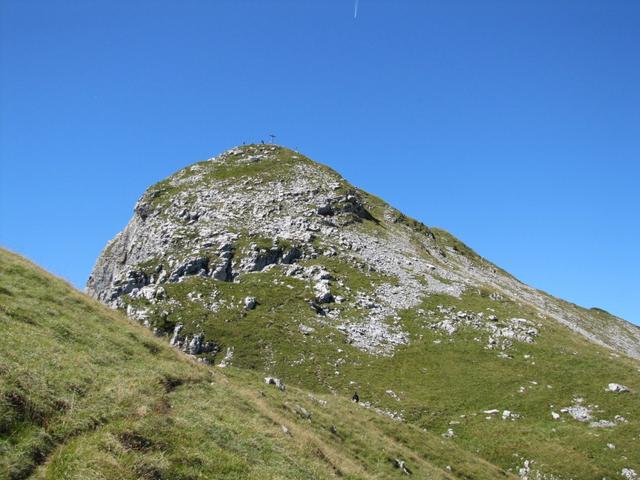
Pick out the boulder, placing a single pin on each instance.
(401, 465)
(223, 272)
(194, 266)
(275, 381)
(303, 412)
(176, 335)
(323, 293)
(250, 303)
(449, 433)
(306, 330)
(226, 361)
(194, 345)
(617, 388)
(325, 210)
(132, 280)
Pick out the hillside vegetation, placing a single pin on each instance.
(87, 394)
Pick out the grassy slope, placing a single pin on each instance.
(84, 394)
(439, 382)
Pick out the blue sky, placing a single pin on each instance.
(514, 125)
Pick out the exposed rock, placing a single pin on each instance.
(139, 314)
(323, 293)
(197, 223)
(525, 470)
(500, 336)
(151, 293)
(260, 258)
(602, 424)
(349, 203)
(401, 464)
(317, 400)
(620, 419)
(303, 412)
(194, 266)
(449, 433)
(226, 361)
(176, 335)
(306, 330)
(393, 395)
(224, 271)
(617, 388)
(578, 412)
(192, 345)
(325, 210)
(275, 381)
(132, 280)
(250, 303)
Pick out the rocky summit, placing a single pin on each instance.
(257, 208)
(263, 259)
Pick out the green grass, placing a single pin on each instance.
(437, 382)
(85, 393)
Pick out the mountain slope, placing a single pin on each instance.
(256, 206)
(264, 259)
(86, 394)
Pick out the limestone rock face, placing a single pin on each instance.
(203, 241)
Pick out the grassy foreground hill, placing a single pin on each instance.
(87, 394)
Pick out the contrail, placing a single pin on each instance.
(355, 9)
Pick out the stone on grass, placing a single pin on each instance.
(250, 303)
(617, 388)
(306, 330)
(402, 465)
(275, 381)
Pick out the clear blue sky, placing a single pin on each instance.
(513, 124)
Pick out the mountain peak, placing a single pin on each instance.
(257, 207)
(261, 258)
